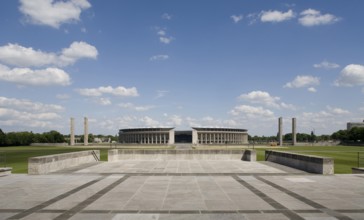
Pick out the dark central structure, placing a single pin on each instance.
(196, 136)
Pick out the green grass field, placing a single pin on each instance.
(345, 156)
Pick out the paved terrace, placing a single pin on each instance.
(158, 190)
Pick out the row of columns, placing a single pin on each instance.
(157, 138)
(72, 133)
(280, 131)
(221, 138)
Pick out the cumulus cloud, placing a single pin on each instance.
(337, 111)
(326, 65)
(236, 18)
(117, 91)
(311, 89)
(251, 111)
(103, 101)
(166, 16)
(62, 96)
(351, 75)
(26, 113)
(159, 57)
(24, 104)
(133, 107)
(161, 93)
(312, 17)
(43, 77)
(303, 81)
(165, 40)
(53, 13)
(261, 97)
(17, 55)
(276, 16)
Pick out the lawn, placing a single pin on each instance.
(17, 157)
(345, 157)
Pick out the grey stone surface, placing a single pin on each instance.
(268, 193)
(55, 162)
(150, 154)
(308, 163)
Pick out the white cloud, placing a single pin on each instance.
(326, 65)
(26, 113)
(276, 16)
(236, 18)
(261, 97)
(161, 33)
(17, 55)
(175, 120)
(76, 51)
(166, 40)
(24, 104)
(53, 13)
(351, 75)
(26, 76)
(311, 89)
(303, 81)
(159, 57)
(161, 93)
(133, 107)
(149, 122)
(103, 101)
(117, 91)
(166, 16)
(251, 111)
(312, 17)
(337, 111)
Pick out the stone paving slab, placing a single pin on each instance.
(85, 194)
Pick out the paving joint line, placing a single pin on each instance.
(55, 199)
(276, 205)
(303, 199)
(80, 206)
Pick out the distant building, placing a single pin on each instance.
(351, 125)
(197, 136)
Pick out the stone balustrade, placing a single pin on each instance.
(55, 162)
(308, 163)
(148, 154)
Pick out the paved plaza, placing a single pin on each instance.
(158, 190)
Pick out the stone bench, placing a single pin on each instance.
(308, 163)
(55, 162)
(4, 171)
(146, 154)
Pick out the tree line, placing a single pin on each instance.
(356, 135)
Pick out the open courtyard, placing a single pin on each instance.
(181, 189)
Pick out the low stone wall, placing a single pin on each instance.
(4, 171)
(49, 144)
(357, 170)
(137, 154)
(308, 163)
(55, 162)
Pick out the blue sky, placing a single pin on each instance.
(179, 64)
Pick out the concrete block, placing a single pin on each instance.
(357, 170)
(4, 171)
(308, 163)
(55, 162)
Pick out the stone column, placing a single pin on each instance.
(85, 137)
(72, 135)
(294, 131)
(280, 131)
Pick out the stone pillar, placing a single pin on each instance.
(85, 137)
(294, 131)
(72, 135)
(280, 131)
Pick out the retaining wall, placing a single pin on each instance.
(136, 154)
(55, 162)
(357, 170)
(308, 163)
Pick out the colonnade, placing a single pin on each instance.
(147, 138)
(221, 138)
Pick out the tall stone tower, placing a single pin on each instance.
(85, 137)
(294, 121)
(280, 131)
(72, 135)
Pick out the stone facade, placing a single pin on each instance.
(219, 136)
(146, 136)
